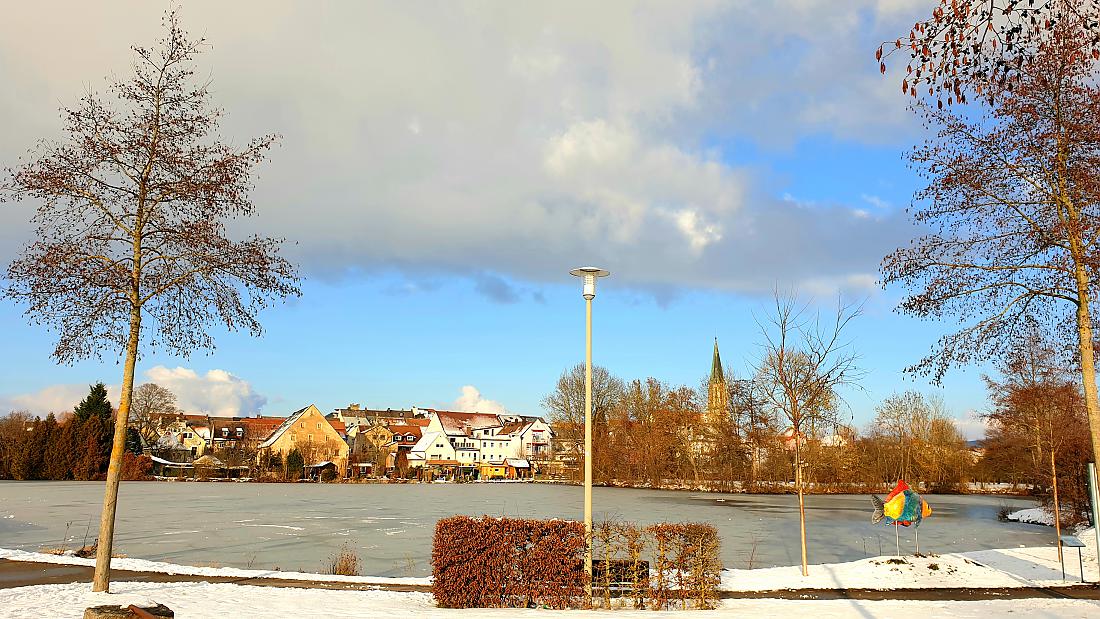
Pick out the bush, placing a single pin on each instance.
(294, 464)
(136, 468)
(661, 565)
(515, 563)
(508, 562)
(344, 562)
(328, 475)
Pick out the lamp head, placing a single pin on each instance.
(589, 274)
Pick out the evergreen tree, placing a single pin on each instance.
(133, 441)
(93, 448)
(96, 404)
(61, 451)
(294, 464)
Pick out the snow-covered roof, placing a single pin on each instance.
(518, 463)
(208, 460)
(456, 423)
(283, 427)
(426, 441)
(170, 463)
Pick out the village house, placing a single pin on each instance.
(308, 431)
(493, 446)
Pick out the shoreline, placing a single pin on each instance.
(764, 489)
(996, 568)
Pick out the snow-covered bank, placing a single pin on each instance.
(1032, 515)
(999, 567)
(144, 565)
(190, 600)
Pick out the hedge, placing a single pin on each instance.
(518, 563)
(660, 566)
(508, 562)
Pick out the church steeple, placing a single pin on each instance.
(716, 366)
(718, 396)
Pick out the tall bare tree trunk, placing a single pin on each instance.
(801, 500)
(1088, 359)
(102, 578)
(1057, 513)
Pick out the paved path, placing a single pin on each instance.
(21, 574)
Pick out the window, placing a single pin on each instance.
(225, 431)
(240, 432)
(187, 435)
(318, 425)
(309, 437)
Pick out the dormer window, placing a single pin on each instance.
(225, 431)
(240, 432)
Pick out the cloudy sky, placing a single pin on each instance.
(443, 165)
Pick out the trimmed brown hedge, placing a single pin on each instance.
(508, 562)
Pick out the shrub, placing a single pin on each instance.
(508, 562)
(344, 562)
(661, 565)
(294, 464)
(328, 475)
(136, 467)
(502, 562)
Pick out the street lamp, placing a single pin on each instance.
(589, 274)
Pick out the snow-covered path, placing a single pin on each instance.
(203, 600)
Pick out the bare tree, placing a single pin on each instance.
(979, 46)
(803, 362)
(1014, 203)
(131, 236)
(149, 403)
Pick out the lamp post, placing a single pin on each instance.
(589, 275)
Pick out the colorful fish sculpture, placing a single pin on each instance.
(902, 506)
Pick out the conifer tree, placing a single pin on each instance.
(95, 404)
(294, 464)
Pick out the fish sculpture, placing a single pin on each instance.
(902, 506)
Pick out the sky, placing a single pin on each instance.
(443, 165)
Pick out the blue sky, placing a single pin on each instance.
(442, 167)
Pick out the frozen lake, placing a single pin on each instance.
(296, 526)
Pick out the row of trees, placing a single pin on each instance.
(77, 447)
(650, 433)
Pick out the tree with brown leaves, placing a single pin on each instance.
(1038, 409)
(131, 231)
(982, 46)
(803, 362)
(1014, 204)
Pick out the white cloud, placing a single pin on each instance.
(471, 401)
(971, 425)
(217, 392)
(517, 139)
(55, 399)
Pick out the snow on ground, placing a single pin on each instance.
(1003, 567)
(144, 565)
(906, 572)
(190, 600)
(1032, 515)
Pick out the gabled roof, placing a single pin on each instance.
(287, 423)
(459, 424)
(416, 431)
(427, 441)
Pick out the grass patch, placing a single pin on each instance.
(344, 562)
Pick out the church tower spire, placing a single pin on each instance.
(718, 395)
